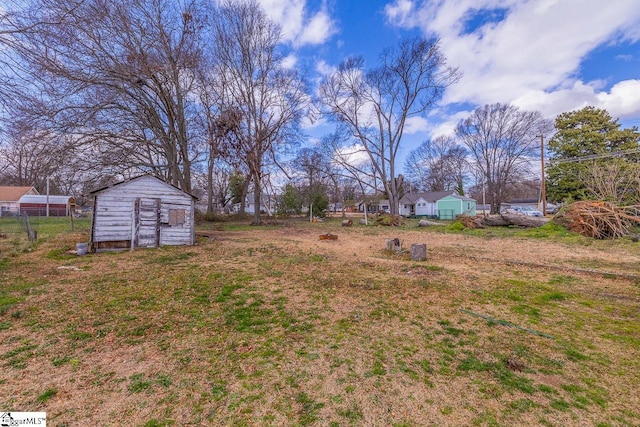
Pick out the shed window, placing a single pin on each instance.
(177, 216)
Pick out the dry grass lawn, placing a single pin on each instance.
(272, 326)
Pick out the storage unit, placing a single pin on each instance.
(142, 212)
(450, 207)
(42, 205)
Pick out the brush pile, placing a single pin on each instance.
(471, 221)
(389, 220)
(598, 219)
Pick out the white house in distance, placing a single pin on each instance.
(269, 205)
(436, 204)
(374, 206)
(142, 212)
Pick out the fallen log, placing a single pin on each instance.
(524, 221)
(503, 220)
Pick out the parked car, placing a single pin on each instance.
(552, 209)
(523, 210)
(529, 211)
(513, 210)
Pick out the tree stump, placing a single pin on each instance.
(347, 223)
(328, 236)
(362, 221)
(418, 252)
(394, 245)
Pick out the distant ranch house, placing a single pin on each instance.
(10, 199)
(142, 212)
(437, 204)
(374, 206)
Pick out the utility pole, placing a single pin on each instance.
(543, 191)
(47, 196)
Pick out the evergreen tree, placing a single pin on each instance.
(585, 139)
(291, 200)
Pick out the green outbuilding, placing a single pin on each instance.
(436, 204)
(450, 207)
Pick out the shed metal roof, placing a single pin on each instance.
(42, 199)
(94, 192)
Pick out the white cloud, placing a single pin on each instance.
(531, 53)
(627, 58)
(299, 26)
(447, 127)
(415, 125)
(290, 61)
(354, 155)
(622, 100)
(324, 69)
(400, 12)
(317, 30)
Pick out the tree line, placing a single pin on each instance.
(498, 148)
(200, 95)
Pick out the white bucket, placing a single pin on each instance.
(82, 248)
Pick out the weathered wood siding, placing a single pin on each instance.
(129, 211)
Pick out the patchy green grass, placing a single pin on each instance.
(270, 326)
(47, 394)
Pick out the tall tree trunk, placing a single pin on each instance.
(210, 183)
(256, 198)
(243, 195)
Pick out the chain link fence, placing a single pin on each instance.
(18, 232)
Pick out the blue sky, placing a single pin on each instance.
(547, 55)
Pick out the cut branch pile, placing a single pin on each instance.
(389, 220)
(598, 219)
(471, 221)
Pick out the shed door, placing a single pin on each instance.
(147, 221)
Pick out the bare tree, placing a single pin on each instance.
(375, 105)
(350, 161)
(117, 76)
(29, 158)
(438, 165)
(312, 176)
(502, 140)
(615, 181)
(269, 98)
(220, 129)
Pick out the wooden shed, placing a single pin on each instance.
(142, 212)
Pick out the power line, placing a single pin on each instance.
(595, 156)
